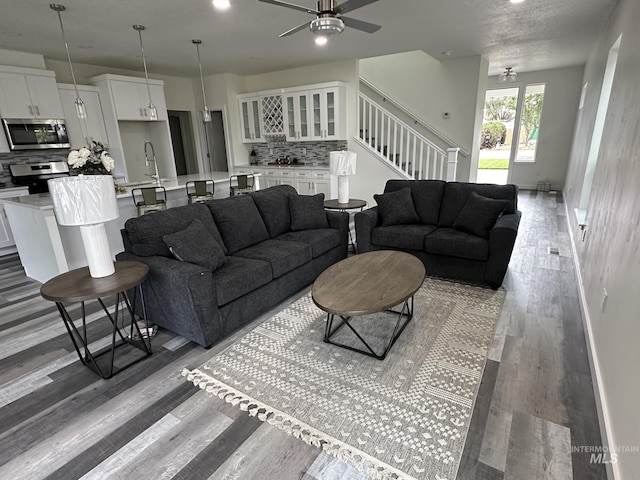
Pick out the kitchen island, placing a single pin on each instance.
(47, 249)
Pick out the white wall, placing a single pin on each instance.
(21, 59)
(609, 256)
(561, 98)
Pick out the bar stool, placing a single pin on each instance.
(240, 184)
(200, 190)
(151, 199)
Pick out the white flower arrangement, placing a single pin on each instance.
(94, 160)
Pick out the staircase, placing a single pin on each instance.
(401, 147)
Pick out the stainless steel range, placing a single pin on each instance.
(35, 175)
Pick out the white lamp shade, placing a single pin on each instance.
(342, 163)
(84, 199)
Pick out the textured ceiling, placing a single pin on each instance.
(533, 35)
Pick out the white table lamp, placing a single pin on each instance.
(343, 164)
(88, 201)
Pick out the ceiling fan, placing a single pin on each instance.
(329, 20)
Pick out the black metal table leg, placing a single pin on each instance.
(406, 311)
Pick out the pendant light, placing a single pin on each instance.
(153, 111)
(206, 113)
(81, 111)
(508, 75)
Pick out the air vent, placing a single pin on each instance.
(553, 251)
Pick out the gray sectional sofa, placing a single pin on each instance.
(462, 231)
(215, 266)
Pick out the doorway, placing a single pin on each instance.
(216, 144)
(509, 131)
(184, 151)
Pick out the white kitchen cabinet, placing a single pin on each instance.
(327, 112)
(296, 114)
(251, 118)
(131, 100)
(83, 131)
(7, 243)
(304, 182)
(29, 93)
(287, 177)
(322, 184)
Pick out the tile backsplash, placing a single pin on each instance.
(28, 156)
(278, 147)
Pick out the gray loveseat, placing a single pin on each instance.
(462, 231)
(215, 266)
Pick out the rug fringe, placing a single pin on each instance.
(365, 463)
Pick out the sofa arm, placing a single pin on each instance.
(340, 221)
(180, 297)
(365, 223)
(502, 238)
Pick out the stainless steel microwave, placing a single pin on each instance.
(29, 134)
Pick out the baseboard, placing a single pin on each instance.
(604, 419)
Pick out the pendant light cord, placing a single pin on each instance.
(139, 28)
(204, 97)
(66, 46)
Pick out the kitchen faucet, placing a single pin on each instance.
(155, 176)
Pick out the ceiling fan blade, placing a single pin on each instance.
(290, 5)
(295, 29)
(360, 25)
(351, 5)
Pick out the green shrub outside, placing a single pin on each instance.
(492, 133)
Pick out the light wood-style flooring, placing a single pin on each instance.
(58, 420)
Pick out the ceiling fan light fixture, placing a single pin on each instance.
(326, 26)
(221, 4)
(508, 75)
(321, 40)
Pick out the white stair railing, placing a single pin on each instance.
(402, 147)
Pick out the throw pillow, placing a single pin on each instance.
(307, 212)
(396, 208)
(195, 244)
(479, 214)
(239, 222)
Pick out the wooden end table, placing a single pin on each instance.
(78, 286)
(368, 283)
(352, 204)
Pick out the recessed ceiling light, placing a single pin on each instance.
(517, 1)
(221, 4)
(321, 40)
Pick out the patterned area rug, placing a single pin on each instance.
(403, 417)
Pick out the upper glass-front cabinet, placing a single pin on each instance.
(296, 115)
(251, 114)
(325, 117)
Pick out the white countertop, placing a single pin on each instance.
(42, 201)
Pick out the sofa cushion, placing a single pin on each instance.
(307, 212)
(479, 214)
(457, 193)
(283, 256)
(273, 205)
(401, 236)
(146, 232)
(195, 244)
(454, 243)
(321, 240)
(426, 194)
(396, 208)
(239, 222)
(239, 276)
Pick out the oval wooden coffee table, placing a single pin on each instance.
(368, 283)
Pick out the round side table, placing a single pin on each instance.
(352, 204)
(79, 286)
